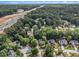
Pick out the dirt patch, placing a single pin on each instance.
(6, 18)
(2, 32)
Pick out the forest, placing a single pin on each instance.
(43, 32)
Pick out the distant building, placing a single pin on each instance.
(20, 10)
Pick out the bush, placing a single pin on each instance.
(48, 51)
(24, 41)
(33, 42)
(18, 53)
(34, 51)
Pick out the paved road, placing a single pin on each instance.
(14, 20)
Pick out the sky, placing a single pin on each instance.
(39, 0)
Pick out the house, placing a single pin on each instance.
(29, 33)
(63, 42)
(52, 41)
(12, 53)
(74, 42)
(26, 49)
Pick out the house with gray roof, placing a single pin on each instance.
(74, 42)
(63, 42)
(52, 41)
(12, 53)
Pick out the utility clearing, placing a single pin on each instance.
(6, 19)
(9, 20)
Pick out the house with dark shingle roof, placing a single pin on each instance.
(52, 41)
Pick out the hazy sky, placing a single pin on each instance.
(39, 0)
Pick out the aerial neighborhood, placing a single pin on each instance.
(49, 30)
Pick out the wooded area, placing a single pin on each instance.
(39, 28)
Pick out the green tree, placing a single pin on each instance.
(18, 53)
(2, 39)
(4, 53)
(48, 50)
(69, 38)
(34, 51)
(24, 41)
(34, 42)
(15, 47)
(35, 27)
